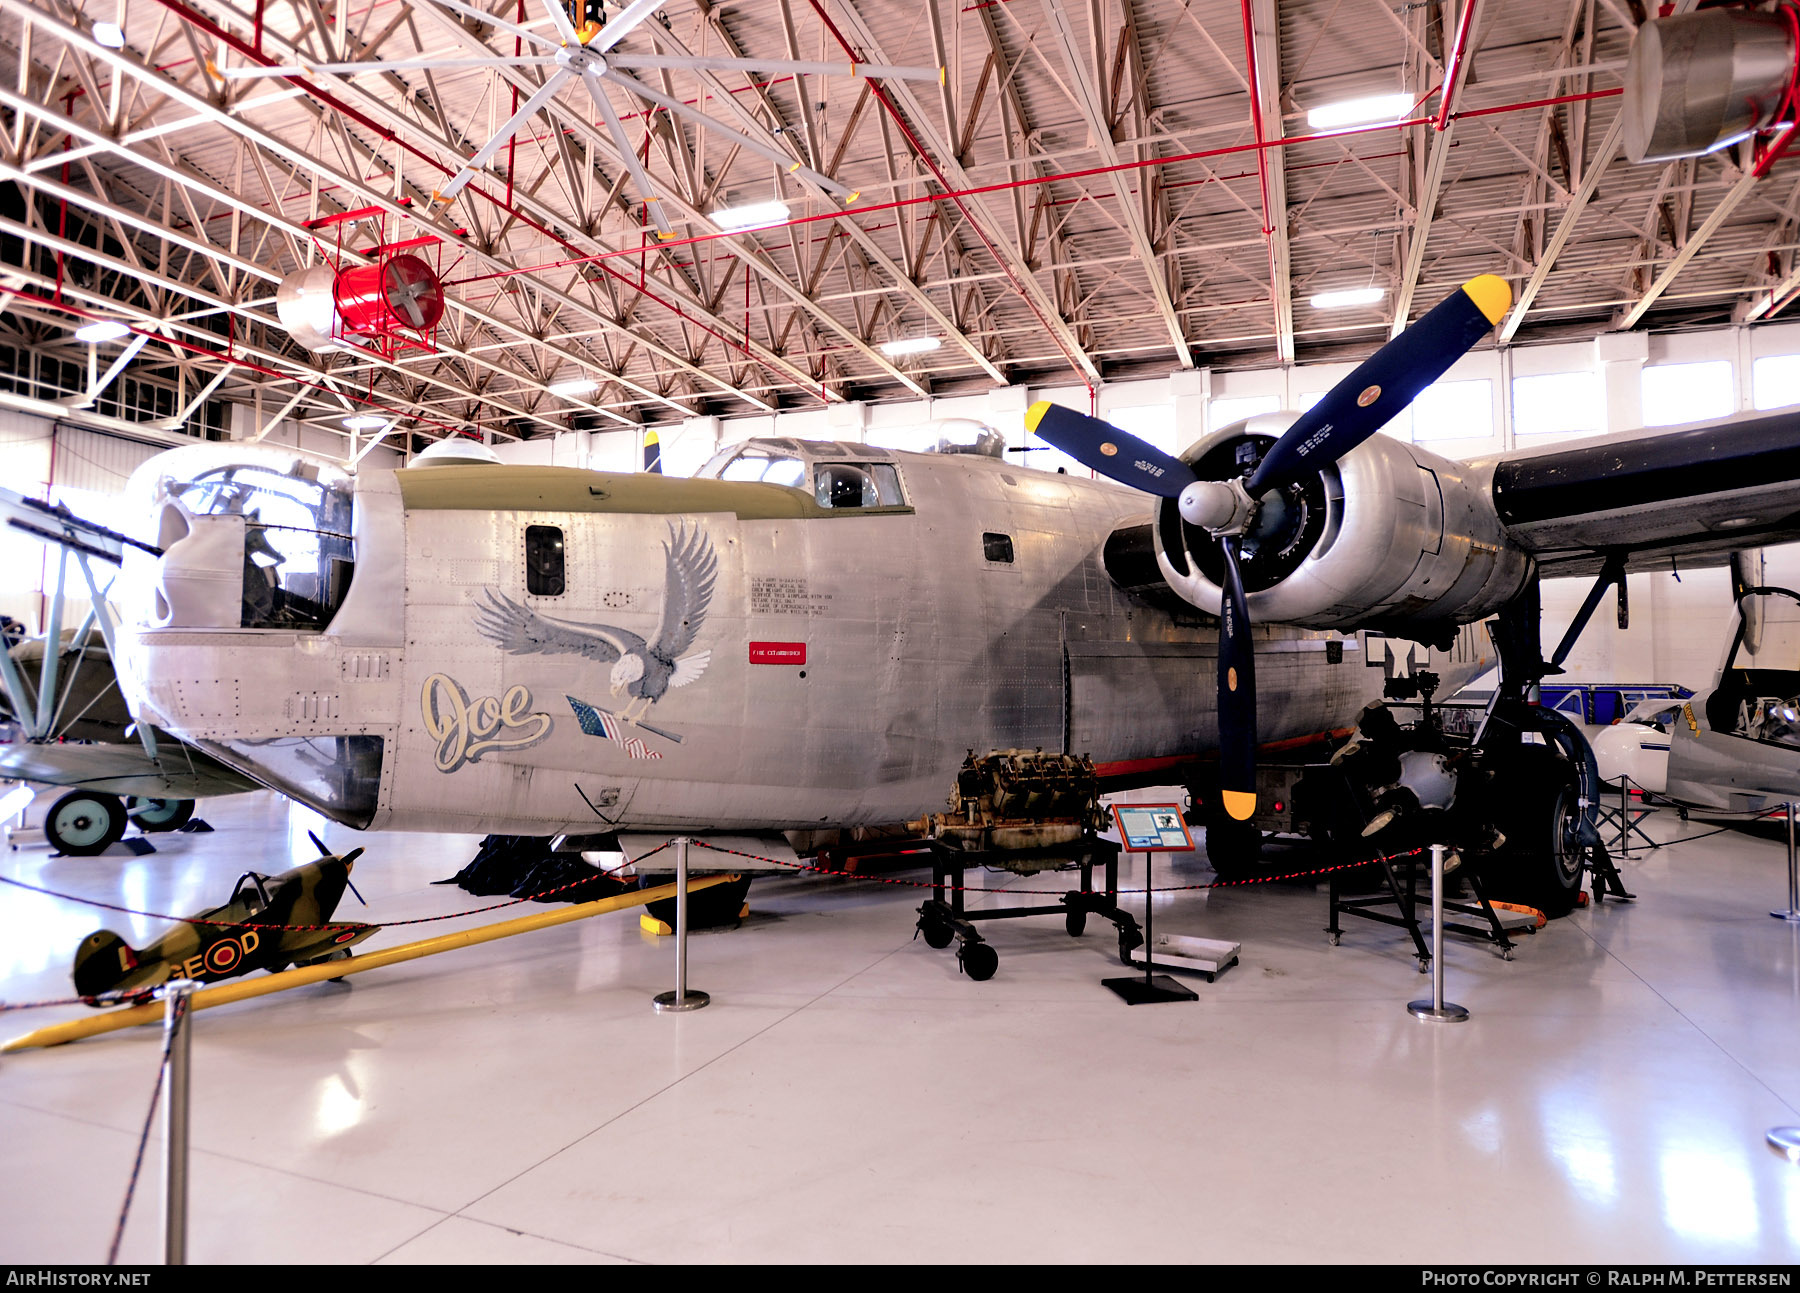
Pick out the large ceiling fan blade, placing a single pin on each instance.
(390, 65)
(1113, 453)
(472, 167)
(780, 66)
(617, 129)
(620, 27)
(1385, 383)
(757, 146)
(1237, 693)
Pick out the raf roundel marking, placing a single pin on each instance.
(224, 954)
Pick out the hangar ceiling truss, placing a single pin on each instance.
(1093, 189)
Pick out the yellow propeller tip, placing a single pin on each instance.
(852, 198)
(1240, 804)
(1035, 414)
(1492, 296)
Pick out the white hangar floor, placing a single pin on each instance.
(850, 1097)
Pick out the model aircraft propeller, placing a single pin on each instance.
(1352, 411)
(349, 860)
(584, 54)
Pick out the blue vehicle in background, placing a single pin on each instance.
(1601, 704)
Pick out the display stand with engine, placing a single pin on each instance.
(1022, 811)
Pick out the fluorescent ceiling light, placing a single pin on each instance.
(910, 346)
(756, 215)
(1356, 112)
(109, 35)
(574, 386)
(105, 330)
(1347, 298)
(365, 422)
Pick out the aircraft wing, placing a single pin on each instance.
(123, 770)
(1687, 497)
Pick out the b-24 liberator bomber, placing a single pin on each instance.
(814, 635)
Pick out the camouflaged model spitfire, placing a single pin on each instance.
(265, 926)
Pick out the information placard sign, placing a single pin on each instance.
(1152, 828)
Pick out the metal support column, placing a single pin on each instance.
(1792, 914)
(1437, 1009)
(177, 1042)
(682, 998)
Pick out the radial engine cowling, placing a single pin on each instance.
(1389, 537)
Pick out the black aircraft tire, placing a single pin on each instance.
(1537, 809)
(156, 815)
(85, 822)
(1234, 848)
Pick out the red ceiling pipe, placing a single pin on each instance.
(1454, 67)
(950, 192)
(1262, 157)
(206, 24)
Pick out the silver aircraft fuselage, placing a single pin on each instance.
(716, 655)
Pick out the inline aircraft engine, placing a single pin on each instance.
(1389, 536)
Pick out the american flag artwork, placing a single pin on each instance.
(599, 722)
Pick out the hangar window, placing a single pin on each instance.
(1223, 412)
(1775, 381)
(1554, 405)
(1454, 411)
(544, 560)
(1678, 393)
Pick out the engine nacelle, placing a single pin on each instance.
(1388, 537)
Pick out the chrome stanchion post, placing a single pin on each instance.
(177, 1039)
(1624, 816)
(1793, 908)
(682, 998)
(1437, 1009)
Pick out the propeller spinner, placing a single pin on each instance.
(1349, 414)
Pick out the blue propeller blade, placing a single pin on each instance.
(1385, 383)
(1237, 693)
(1108, 450)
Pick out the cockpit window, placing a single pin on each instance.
(839, 484)
(298, 552)
(757, 464)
